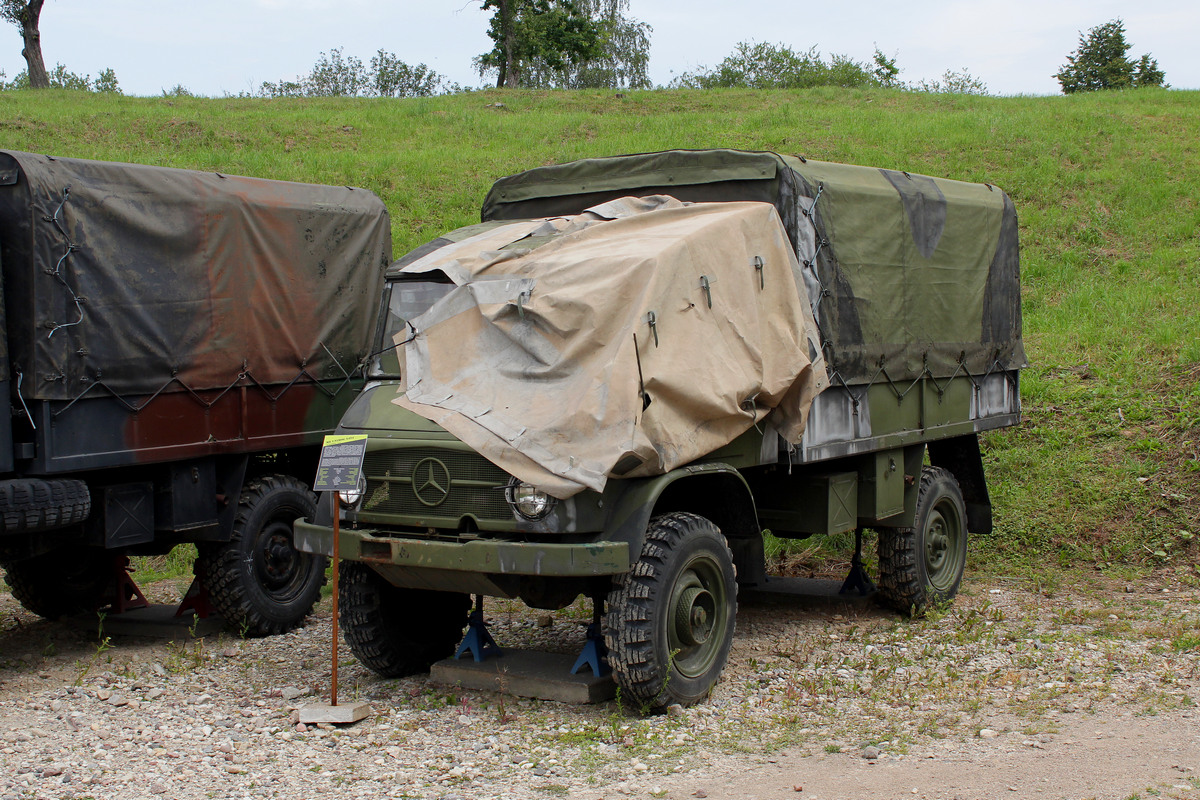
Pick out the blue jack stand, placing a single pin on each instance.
(857, 580)
(478, 641)
(595, 653)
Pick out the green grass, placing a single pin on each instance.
(1103, 472)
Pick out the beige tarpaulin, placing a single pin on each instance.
(540, 357)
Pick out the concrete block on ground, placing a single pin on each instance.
(341, 714)
(526, 673)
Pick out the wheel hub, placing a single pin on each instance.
(936, 545)
(279, 563)
(694, 615)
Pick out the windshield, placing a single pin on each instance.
(407, 299)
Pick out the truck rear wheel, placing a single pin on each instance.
(393, 631)
(670, 620)
(68, 581)
(924, 564)
(258, 581)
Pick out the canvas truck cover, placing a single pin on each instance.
(139, 278)
(910, 276)
(539, 357)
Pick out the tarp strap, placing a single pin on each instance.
(20, 378)
(57, 271)
(808, 211)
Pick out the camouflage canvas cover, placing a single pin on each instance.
(126, 279)
(624, 341)
(909, 276)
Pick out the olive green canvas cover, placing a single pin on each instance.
(129, 279)
(909, 276)
(624, 341)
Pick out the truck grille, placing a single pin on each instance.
(434, 482)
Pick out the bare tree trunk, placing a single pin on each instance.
(510, 70)
(29, 16)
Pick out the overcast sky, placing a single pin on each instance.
(214, 47)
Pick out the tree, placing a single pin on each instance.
(551, 34)
(25, 14)
(623, 59)
(885, 71)
(1101, 62)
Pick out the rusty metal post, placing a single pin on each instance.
(337, 512)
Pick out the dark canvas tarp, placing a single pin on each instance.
(908, 275)
(132, 275)
(538, 358)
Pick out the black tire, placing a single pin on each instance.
(28, 505)
(670, 619)
(924, 564)
(258, 581)
(69, 581)
(393, 631)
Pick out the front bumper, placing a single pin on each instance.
(549, 559)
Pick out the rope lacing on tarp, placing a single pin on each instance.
(56, 219)
(244, 378)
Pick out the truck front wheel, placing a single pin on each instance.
(393, 631)
(258, 581)
(670, 620)
(924, 564)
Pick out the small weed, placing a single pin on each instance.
(1185, 642)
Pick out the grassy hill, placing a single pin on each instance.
(1105, 471)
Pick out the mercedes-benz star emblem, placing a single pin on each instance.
(431, 482)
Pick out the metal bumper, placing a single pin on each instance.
(480, 556)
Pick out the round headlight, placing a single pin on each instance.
(529, 501)
(352, 497)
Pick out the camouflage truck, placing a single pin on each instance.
(634, 365)
(174, 345)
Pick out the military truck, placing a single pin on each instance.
(634, 365)
(173, 345)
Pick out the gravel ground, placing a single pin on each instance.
(813, 682)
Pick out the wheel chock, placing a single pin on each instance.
(478, 641)
(126, 596)
(594, 654)
(196, 601)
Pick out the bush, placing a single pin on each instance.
(777, 66)
(63, 78)
(336, 75)
(953, 83)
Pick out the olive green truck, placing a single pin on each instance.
(633, 366)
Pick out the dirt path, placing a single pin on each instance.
(1109, 756)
